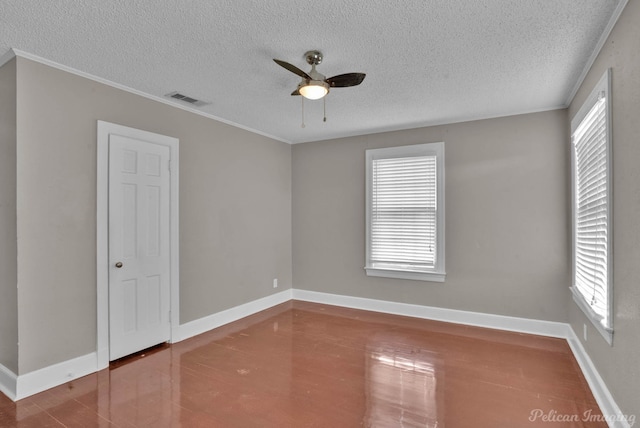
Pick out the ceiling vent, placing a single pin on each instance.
(187, 99)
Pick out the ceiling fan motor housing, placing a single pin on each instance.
(313, 57)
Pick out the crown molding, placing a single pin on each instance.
(35, 58)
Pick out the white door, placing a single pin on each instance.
(139, 250)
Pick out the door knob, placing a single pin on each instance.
(119, 265)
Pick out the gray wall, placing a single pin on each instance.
(507, 225)
(235, 209)
(8, 246)
(619, 364)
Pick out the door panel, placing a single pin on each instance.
(139, 251)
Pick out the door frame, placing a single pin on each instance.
(104, 129)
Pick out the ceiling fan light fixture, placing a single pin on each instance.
(314, 89)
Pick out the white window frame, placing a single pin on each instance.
(437, 274)
(603, 324)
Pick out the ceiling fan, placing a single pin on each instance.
(315, 85)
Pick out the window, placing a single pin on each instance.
(591, 176)
(405, 212)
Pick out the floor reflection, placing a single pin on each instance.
(402, 384)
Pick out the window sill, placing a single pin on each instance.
(606, 332)
(404, 274)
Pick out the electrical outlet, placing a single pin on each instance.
(584, 332)
(275, 283)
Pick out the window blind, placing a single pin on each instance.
(592, 210)
(403, 213)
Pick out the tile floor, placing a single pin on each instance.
(309, 365)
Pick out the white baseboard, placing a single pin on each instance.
(8, 382)
(54, 375)
(202, 325)
(19, 387)
(608, 406)
(500, 322)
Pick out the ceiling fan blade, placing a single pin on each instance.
(296, 92)
(344, 80)
(292, 68)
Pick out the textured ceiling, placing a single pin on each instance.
(427, 62)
